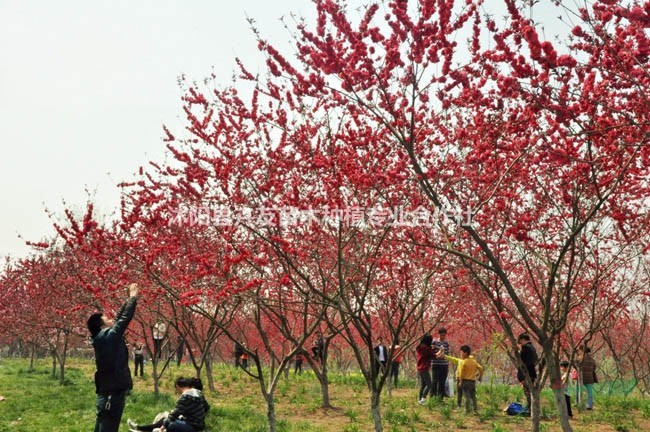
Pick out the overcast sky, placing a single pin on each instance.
(86, 85)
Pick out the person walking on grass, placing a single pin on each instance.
(188, 415)
(423, 355)
(112, 377)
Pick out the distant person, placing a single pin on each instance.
(381, 355)
(189, 413)
(112, 377)
(528, 356)
(238, 351)
(138, 359)
(396, 361)
(298, 363)
(566, 382)
(440, 366)
(318, 349)
(243, 360)
(423, 355)
(587, 373)
(469, 371)
(159, 331)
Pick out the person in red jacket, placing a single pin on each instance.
(424, 354)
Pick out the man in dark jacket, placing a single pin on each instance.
(112, 377)
(528, 356)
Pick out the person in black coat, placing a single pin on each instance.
(112, 377)
(381, 356)
(528, 356)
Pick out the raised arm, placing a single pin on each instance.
(126, 312)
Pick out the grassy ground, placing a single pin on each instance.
(35, 402)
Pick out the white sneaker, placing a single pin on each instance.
(132, 425)
(422, 401)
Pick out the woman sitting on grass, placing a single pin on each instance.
(187, 416)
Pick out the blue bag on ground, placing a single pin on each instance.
(515, 408)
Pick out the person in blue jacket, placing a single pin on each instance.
(112, 375)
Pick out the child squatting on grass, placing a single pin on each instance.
(188, 415)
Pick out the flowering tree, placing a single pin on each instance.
(541, 142)
(544, 142)
(47, 302)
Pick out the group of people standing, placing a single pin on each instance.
(432, 361)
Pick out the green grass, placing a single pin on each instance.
(36, 402)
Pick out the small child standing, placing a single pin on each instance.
(469, 370)
(566, 381)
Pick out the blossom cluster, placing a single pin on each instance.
(293, 216)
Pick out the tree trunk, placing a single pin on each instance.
(375, 409)
(535, 409)
(31, 360)
(54, 364)
(321, 375)
(156, 378)
(325, 392)
(62, 373)
(208, 373)
(62, 359)
(558, 394)
(270, 411)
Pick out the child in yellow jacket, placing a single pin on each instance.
(468, 370)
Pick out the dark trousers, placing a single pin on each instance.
(459, 393)
(109, 411)
(469, 393)
(567, 398)
(438, 379)
(157, 348)
(527, 393)
(380, 367)
(298, 367)
(425, 383)
(394, 372)
(139, 362)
